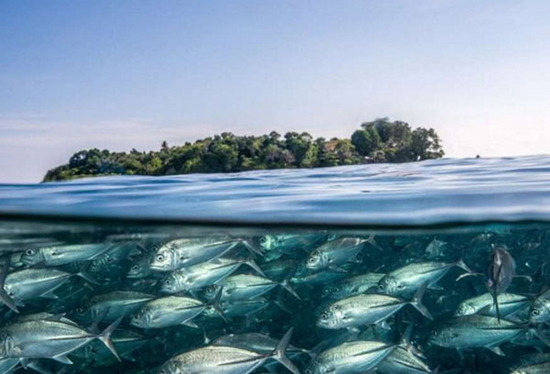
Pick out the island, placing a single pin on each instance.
(376, 141)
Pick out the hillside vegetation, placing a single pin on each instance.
(377, 141)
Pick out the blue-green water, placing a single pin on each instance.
(363, 265)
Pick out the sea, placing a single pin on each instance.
(438, 266)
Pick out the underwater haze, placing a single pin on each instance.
(430, 267)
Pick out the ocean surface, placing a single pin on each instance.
(430, 267)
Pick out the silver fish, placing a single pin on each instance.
(180, 253)
(205, 274)
(405, 281)
(245, 287)
(509, 304)
(217, 359)
(167, 311)
(366, 309)
(48, 339)
(352, 286)
(350, 358)
(475, 331)
(335, 253)
(62, 255)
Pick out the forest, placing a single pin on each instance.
(376, 141)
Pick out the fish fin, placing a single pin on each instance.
(279, 353)
(253, 249)
(461, 264)
(24, 362)
(84, 274)
(417, 302)
(526, 277)
(190, 324)
(105, 337)
(384, 325)
(251, 263)
(486, 310)
(495, 303)
(216, 304)
(63, 359)
(286, 285)
(337, 269)
(496, 350)
(4, 297)
(465, 275)
(55, 317)
(435, 287)
(49, 295)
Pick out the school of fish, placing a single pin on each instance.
(312, 302)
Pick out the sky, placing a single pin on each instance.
(129, 74)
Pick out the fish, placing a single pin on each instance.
(49, 338)
(500, 272)
(352, 286)
(245, 287)
(350, 358)
(115, 305)
(180, 253)
(540, 310)
(168, 311)
(475, 331)
(367, 309)
(509, 304)
(542, 368)
(335, 253)
(204, 274)
(63, 255)
(221, 359)
(32, 283)
(405, 281)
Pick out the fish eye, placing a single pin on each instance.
(311, 259)
(434, 332)
(400, 286)
(135, 267)
(308, 371)
(29, 252)
(263, 240)
(160, 258)
(324, 315)
(167, 282)
(535, 312)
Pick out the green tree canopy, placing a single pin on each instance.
(380, 140)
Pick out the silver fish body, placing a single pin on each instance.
(335, 253)
(180, 253)
(62, 255)
(350, 358)
(167, 311)
(352, 286)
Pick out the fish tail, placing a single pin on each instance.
(286, 285)
(252, 248)
(252, 264)
(461, 264)
(216, 304)
(279, 353)
(4, 297)
(84, 274)
(105, 337)
(417, 302)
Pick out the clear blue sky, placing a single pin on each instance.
(122, 74)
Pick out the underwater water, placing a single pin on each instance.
(433, 267)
